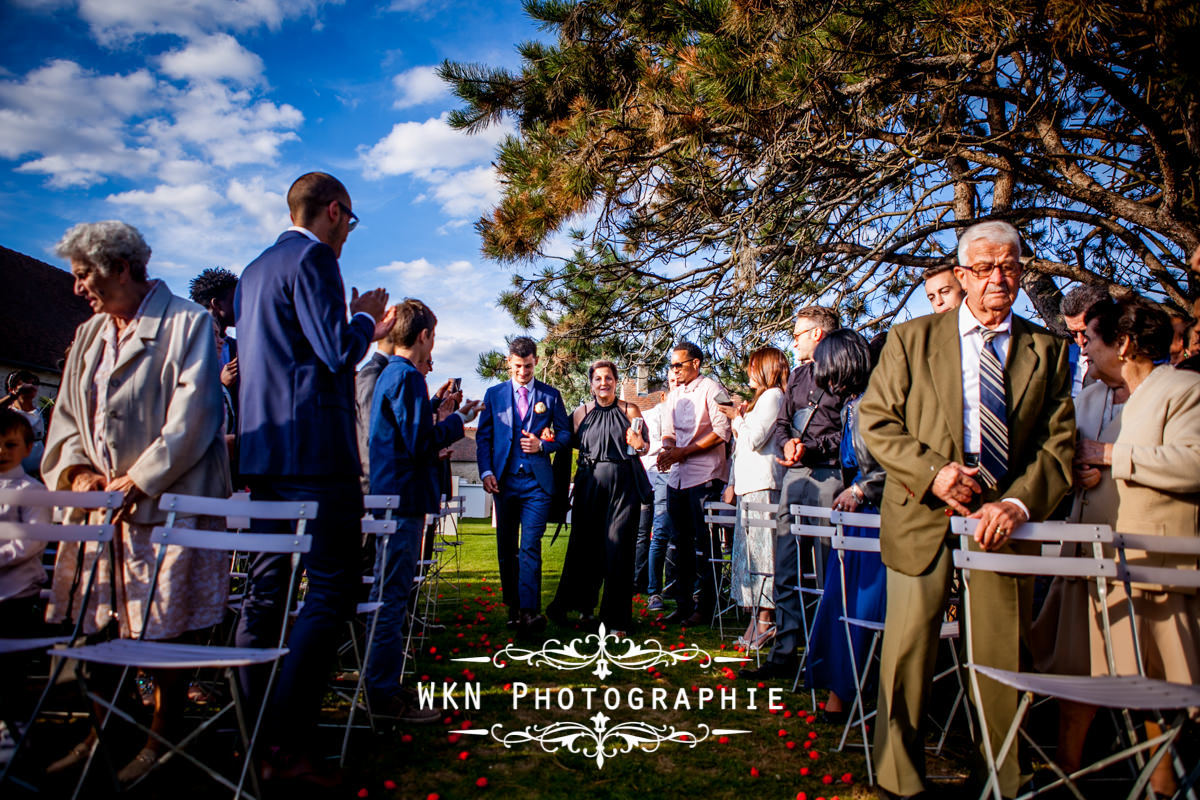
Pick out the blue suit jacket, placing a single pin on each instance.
(296, 357)
(494, 439)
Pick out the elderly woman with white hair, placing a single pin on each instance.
(139, 411)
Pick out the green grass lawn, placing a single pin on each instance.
(787, 753)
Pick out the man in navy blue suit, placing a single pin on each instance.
(522, 423)
(297, 442)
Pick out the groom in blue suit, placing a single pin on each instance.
(522, 423)
(296, 442)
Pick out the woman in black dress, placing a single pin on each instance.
(605, 508)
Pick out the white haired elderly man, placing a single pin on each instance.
(988, 435)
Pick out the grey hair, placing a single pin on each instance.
(1080, 299)
(995, 231)
(104, 245)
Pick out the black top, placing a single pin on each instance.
(601, 434)
(823, 436)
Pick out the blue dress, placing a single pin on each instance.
(828, 662)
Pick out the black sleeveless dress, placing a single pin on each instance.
(604, 521)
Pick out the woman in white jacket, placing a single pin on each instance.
(755, 479)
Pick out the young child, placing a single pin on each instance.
(21, 571)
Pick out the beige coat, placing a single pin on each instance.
(165, 427)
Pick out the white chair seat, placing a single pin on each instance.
(1107, 691)
(21, 645)
(167, 655)
(867, 624)
(368, 608)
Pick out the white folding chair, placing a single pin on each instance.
(64, 534)
(858, 714)
(132, 653)
(1121, 692)
(765, 522)
(814, 534)
(719, 514)
(382, 529)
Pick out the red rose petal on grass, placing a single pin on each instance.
(790, 745)
(782, 732)
(821, 705)
(787, 714)
(426, 677)
(847, 778)
(810, 719)
(406, 738)
(762, 685)
(363, 793)
(453, 738)
(723, 740)
(804, 770)
(464, 755)
(801, 796)
(754, 772)
(389, 784)
(812, 734)
(813, 755)
(773, 710)
(826, 779)
(433, 796)
(448, 720)
(508, 686)
(482, 782)
(434, 649)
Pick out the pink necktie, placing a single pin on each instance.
(523, 401)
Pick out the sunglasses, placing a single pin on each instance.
(353, 217)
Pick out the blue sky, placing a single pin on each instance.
(190, 118)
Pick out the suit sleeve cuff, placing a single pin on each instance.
(1019, 504)
(485, 474)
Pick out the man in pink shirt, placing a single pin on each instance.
(694, 434)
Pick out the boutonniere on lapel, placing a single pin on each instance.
(539, 408)
(547, 434)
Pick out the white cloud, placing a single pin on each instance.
(116, 21)
(228, 125)
(467, 192)
(418, 148)
(217, 57)
(269, 209)
(418, 86)
(193, 201)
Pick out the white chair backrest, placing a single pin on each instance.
(813, 531)
(237, 507)
(719, 513)
(381, 502)
(1182, 577)
(855, 518)
(820, 512)
(455, 505)
(52, 532)
(44, 498)
(1043, 531)
(855, 544)
(379, 527)
(228, 540)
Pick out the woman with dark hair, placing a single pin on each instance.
(605, 508)
(1155, 464)
(755, 479)
(842, 366)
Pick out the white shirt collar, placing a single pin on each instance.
(304, 231)
(516, 386)
(968, 323)
(16, 472)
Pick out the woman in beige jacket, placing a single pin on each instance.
(139, 411)
(1155, 463)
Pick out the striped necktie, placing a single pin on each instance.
(993, 414)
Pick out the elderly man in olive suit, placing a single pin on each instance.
(989, 434)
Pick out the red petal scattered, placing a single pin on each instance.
(754, 772)
(782, 732)
(790, 745)
(801, 796)
(389, 784)
(804, 770)
(813, 755)
(482, 782)
(762, 685)
(453, 738)
(363, 793)
(812, 734)
(406, 738)
(723, 740)
(847, 778)
(787, 714)
(464, 755)
(826, 779)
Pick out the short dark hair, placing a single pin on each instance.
(824, 318)
(842, 363)
(935, 270)
(1147, 326)
(692, 350)
(1081, 298)
(211, 284)
(604, 363)
(12, 421)
(522, 347)
(412, 317)
(21, 376)
(311, 193)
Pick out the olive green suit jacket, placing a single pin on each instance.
(911, 418)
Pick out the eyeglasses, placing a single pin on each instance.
(353, 218)
(1009, 269)
(798, 334)
(678, 365)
